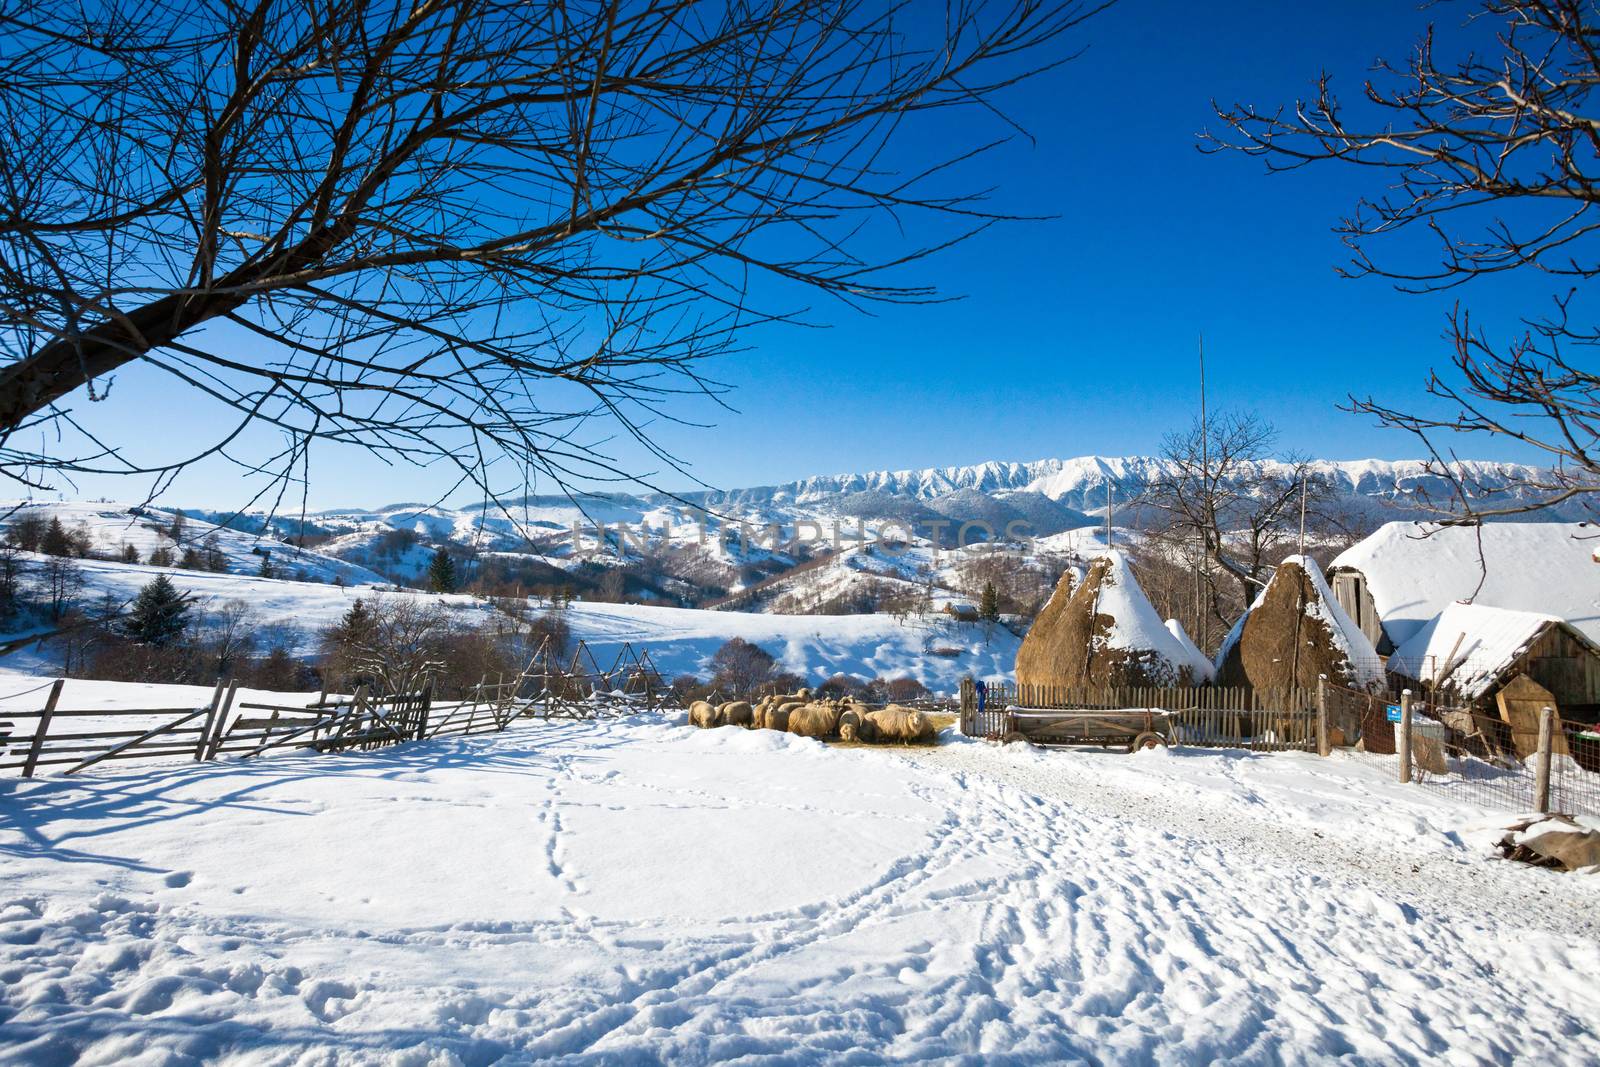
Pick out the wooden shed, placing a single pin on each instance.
(1469, 652)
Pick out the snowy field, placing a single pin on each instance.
(646, 893)
(935, 650)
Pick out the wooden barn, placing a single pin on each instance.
(1402, 576)
(1470, 652)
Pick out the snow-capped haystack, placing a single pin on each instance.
(1103, 631)
(1202, 667)
(1294, 632)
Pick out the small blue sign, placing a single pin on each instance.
(1394, 712)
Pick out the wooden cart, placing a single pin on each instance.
(1130, 729)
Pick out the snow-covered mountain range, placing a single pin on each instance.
(806, 545)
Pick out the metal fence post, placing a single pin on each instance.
(1324, 744)
(1541, 775)
(44, 725)
(1405, 735)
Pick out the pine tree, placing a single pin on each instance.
(442, 572)
(175, 531)
(55, 541)
(192, 560)
(267, 570)
(160, 556)
(354, 628)
(159, 614)
(216, 560)
(129, 553)
(989, 605)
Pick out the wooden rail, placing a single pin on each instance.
(1201, 716)
(225, 727)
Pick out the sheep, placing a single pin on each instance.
(703, 715)
(758, 714)
(814, 720)
(735, 713)
(778, 718)
(850, 723)
(895, 723)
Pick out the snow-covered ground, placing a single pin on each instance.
(635, 892)
(935, 650)
(111, 527)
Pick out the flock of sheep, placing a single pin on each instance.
(801, 713)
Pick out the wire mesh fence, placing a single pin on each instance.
(1493, 754)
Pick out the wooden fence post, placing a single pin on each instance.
(422, 711)
(1324, 743)
(214, 740)
(44, 724)
(1404, 747)
(201, 745)
(1541, 774)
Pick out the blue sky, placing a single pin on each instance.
(1075, 335)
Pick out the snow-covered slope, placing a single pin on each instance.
(110, 527)
(936, 651)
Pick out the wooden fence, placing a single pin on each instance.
(1201, 716)
(225, 726)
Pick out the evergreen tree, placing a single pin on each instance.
(27, 531)
(267, 570)
(159, 614)
(354, 628)
(55, 541)
(129, 553)
(442, 572)
(175, 531)
(989, 605)
(160, 556)
(192, 560)
(215, 559)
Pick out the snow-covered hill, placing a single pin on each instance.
(935, 650)
(111, 528)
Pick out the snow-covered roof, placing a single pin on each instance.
(1366, 667)
(1415, 570)
(1198, 663)
(1469, 646)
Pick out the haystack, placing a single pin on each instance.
(1104, 632)
(1201, 667)
(1294, 632)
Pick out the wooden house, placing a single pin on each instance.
(1402, 576)
(1469, 652)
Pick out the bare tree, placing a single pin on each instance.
(1497, 157)
(454, 231)
(1221, 496)
(228, 635)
